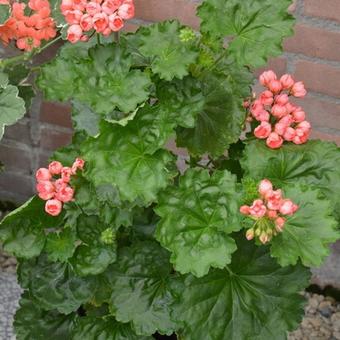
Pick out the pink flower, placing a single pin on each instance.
(110, 6)
(66, 173)
(266, 77)
(298, 90)
(298, 115)
(274, 199)
(115, 22)
(250, 234)
(290, 107)
(289, 134)
(274, 141)
(275, 86)
(53, 207)
(93, 8)
(281, 99)
(263, 130)
(279, 224)
(86, 22)
(74, 33)
(287, 81)
(55, 167)
(100, 22)
(265, 187)
(288, 207)
(78, 164)
(65, 194)
(244, 209)
(45, 190)
(43, 174)
(279, 111)
(258, 209)
(73, 17)
(272, 214)
(59, 183)
(126, 11)
(304, 126)
(266, 98)
(66, 5)
(280, 128)
(300, 139)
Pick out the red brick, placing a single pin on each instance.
(55, 113)
(15, 159)
(43, 158)
(18, 184)
(326, 9)
(319, 77)
(156, 10)
(325, 136)
(314, 42)
(129, 27)
(320, 112)
(52, 139)
(20, 132)
(278, 65)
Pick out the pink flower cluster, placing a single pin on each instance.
(102, 16)
(279, 119)
(56, 191)
(268, 212)
(28, 30)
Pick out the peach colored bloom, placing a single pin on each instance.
(55, 167)
(53, 207)
(274, 141)
(265, 187)
(257, 209)
(45, 189)
(287, 81)
(263, 130)
(74, 33)
(116, 23)
(65, 194)
(100, 22)
(66, 173)
(279, 224)
(266, 77)
(298, 90)
(275, 86)
(244, 209)
(43, 174)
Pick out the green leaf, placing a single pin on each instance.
(93, 259)
(5, 13)
(104, 73)
(119, 156)
(60, 245)
(254, 298)
(220, 121)
(144, 288)
(169, 56)
(309, 232)
(84, 119)
(196, 220)
(315, 163)
(256, 28)
(105, 328)
(55, 286)
(22, 231)
(32, 322)
(12, 107)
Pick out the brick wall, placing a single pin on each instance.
(312, 55)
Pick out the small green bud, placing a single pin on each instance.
(187, 34)
(108, 236)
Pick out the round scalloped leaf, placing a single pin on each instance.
(55, 286)
(254, 298)
(309, 232)
(103, 328)
(257, 27)
(119, 156)
(197, 218)
(22, 231)
(170, 57)
(5, 13)
(144, 288)
(315, 163)
(219, 122)
(32, 322)
(104, 73)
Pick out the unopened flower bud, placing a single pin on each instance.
(250, 234)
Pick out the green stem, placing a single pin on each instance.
(116, 36)
(26, 56)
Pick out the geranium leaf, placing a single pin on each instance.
(257, 27)
(104, 73)
(220, 121)
(22, 231)
(119, 156)
(32, 322)
(60, 245)
(316, 163)
(169, 56)
(144, 288)
(12, 107)
(104, 328)
(5, 12)
(309, 232)
(197, 218)
(254, 298)
(55, 286)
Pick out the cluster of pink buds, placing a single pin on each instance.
(101, 16)
(279, 119)
(54, 185)
(267, 212)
